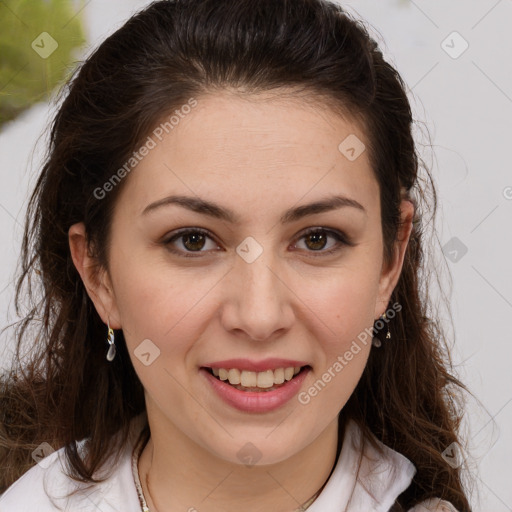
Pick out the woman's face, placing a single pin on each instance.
(228, 271)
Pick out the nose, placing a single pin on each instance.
(258, 300)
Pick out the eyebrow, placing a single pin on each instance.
(211, 209)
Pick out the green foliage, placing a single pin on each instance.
(38, 40)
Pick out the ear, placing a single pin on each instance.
(95, 278)
(391, 272)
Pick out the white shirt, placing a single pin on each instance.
(390, 476)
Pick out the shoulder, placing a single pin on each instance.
(33, 489)
(47, 487)
(434, 505)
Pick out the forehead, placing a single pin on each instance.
(237, 147)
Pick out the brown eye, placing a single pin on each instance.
(194, 241)
(317, 239)
(190, 241)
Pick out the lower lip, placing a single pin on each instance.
(256, 401)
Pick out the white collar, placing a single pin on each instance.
(380, 481)
(381, 478)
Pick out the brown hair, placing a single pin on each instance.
(171, 51)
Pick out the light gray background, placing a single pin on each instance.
(466, 104)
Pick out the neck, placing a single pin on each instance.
(182, 476)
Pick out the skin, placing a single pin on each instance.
(257, 156)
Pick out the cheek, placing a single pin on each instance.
(345, 307)
(160, 305)
(344, 300)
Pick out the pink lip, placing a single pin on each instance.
(256, 401)
(255, 366)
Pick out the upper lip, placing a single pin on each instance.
(255, 366)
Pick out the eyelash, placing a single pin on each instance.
(340, 237)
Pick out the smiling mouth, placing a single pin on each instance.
(244, 380)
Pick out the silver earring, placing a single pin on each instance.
(112, 349)
(388, 335)
(375, 341)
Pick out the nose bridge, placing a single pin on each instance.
(262, 301)
(260, 283)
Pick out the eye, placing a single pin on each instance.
(192, 240)
(316, 240)
(195, 240)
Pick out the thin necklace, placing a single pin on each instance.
(135, 471)
(143, 505)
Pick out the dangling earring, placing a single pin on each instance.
(112, 350)
(388, 335)
(376, 342)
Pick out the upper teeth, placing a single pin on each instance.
(256, 379)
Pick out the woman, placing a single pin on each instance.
(230, 254)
